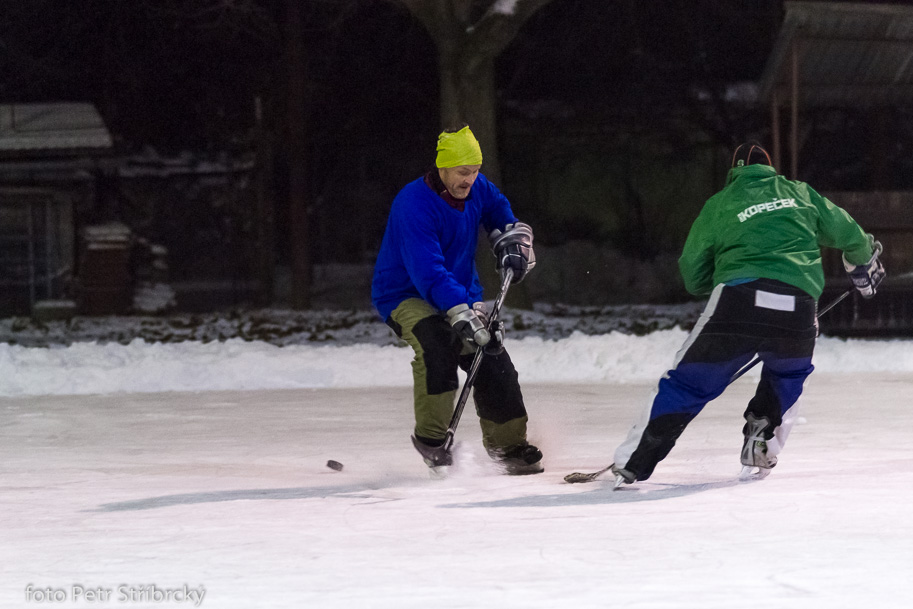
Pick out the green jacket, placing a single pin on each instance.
(762, 225)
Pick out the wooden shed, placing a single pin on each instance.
(855, 55)
(51, 157)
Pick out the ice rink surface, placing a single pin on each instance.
(225, 494)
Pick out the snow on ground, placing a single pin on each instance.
(322, 349)
(131, 471)
(85, 368)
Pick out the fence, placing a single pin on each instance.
(888, 216)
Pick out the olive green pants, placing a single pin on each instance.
(438, 352)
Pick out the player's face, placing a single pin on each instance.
(459, 180)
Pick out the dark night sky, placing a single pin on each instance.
(169, 75)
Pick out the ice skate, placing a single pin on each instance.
(756, 461)
(622, 477)
(435, 457)
(521, 460)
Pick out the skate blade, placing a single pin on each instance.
(619, 482)
(753, 472)
(439, 472)
(523, 470)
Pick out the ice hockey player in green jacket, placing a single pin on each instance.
(754, 249)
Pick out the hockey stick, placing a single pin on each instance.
(476, 362)
(578, 477)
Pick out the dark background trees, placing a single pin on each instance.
(606, 121)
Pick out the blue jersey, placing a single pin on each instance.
(428, 250)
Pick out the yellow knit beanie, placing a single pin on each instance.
(460, 148)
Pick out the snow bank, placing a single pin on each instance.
(87, 368)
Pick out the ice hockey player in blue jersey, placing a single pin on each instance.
(426, 288)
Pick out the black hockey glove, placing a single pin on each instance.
(867, 277)
(513, 249)
(468, 325)
(495, 330)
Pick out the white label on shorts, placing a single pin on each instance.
(778, 302)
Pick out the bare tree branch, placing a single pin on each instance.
(449, 21)
(497, 28)
(239, 17)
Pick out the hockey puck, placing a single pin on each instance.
(336, 465)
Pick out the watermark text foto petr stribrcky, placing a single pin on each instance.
(124, 593)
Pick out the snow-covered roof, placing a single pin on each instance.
(150, 163)
(857, 54)
(58, 127)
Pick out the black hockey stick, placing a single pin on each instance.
(476, 362)
(578, 477)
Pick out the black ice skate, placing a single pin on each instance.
(521, 460)
(434, 456)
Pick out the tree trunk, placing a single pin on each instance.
(466, 59)
(470, 97)
(266, 236)
(297, 157)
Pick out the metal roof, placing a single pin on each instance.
(58, 127)
(847, 54)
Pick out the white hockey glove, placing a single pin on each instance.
(867, 277)
(468, 325)
(513, 249)
(495, 330)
